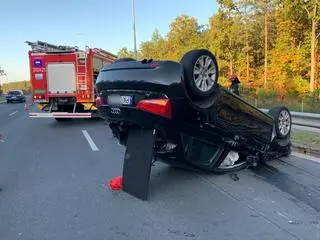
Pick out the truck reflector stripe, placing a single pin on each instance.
(60, 115)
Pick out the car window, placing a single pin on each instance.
(15, 93)
(203, 153)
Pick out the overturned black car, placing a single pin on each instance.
(178, 113)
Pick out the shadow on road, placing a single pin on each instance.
(76, 122)
(288, 184)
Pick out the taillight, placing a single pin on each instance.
(160, 107)
(38, 97)
(99, 101)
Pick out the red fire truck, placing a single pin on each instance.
(63, 79)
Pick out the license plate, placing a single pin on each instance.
(119, 100)
(14, 97)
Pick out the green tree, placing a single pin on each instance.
(227, 27)
(154, 48)
(124, 52)
(312, 8)
(184, 34)
(270, 44)
(307, 14)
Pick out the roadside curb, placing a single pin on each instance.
(307, 150)
(307, 157)
(2, 102)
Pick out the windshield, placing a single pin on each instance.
(15, 93)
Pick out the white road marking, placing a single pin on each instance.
(90, 141)
(307, 157)
(13, 113)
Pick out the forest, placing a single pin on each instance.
(22, 85)
(272, 45)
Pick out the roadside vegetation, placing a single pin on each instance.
(22, 85)
(306, 142)
(272, 45)
(306, 138)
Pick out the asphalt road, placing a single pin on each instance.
(53, 186)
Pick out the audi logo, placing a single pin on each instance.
(115, 111)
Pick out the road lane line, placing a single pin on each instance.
(90, 141)
(13, 113)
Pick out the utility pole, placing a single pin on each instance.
(1, 74)
(134, 30)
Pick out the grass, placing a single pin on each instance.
(293, 104)
(306, 139)
(2, 98)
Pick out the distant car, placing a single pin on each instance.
(197, 122)
(15, 96)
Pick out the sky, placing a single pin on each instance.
(105, 24)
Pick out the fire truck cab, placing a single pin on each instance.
(63, 79)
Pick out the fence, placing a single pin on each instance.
(308, 105)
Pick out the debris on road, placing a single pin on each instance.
(234, 177)
(26, 107)
(116, 183)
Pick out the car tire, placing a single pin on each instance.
(200, 69)
(125, 60)
(283, 121)
(8, 102)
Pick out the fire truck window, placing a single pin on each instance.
(38, 76)
(95, 76)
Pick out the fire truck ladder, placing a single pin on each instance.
(82, 75)
(40, 46)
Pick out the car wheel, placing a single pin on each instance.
(8, 102)
(125, 60)
(200, 72)
(283, 121)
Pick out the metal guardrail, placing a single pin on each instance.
(311, 120)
